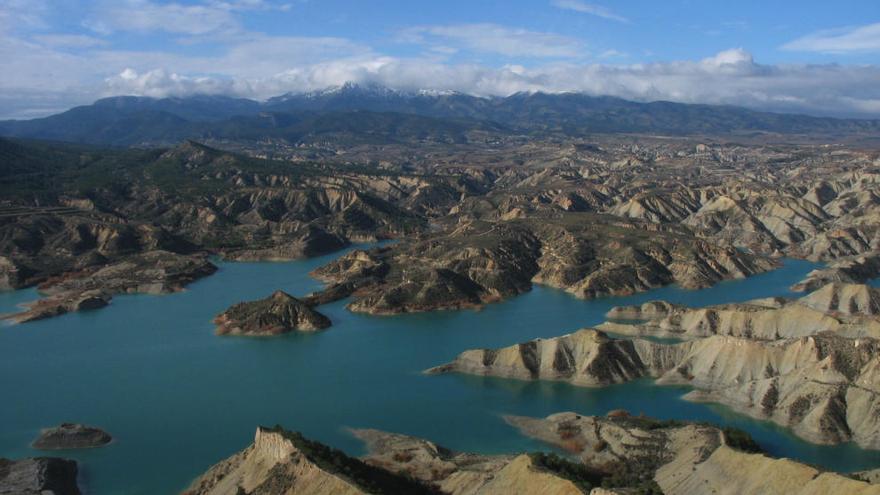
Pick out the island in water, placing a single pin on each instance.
(537, 293)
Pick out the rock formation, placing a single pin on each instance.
(71, 436)
(850, 270)
(153, 272)
(845, 309)
(464, 473)
(825, 386)
(479, 262)
(38, 476)
(682, 458)
(277, 314)
(284, 463)
(280, 462)
(586, 357)
(617, 454)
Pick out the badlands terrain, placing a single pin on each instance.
(472, 222)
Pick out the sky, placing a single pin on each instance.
(807, 56)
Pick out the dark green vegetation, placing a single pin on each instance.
(741, 440)
(70, 207)
(369, 478)
(356, 114)
(43, 171)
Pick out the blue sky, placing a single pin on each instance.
(807, 56)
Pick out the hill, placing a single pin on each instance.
(354, 114)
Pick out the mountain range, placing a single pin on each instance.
(375, 114)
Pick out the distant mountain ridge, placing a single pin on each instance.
(385, 114)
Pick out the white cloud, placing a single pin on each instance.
(144, 16)
(41, 75)
(496, 39)
(244, 5)
(733, 57)
(159, 83)
(729, 77)
(22, 14)
(69, 41)
(589, 8)
(849, 40)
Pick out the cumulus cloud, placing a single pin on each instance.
(862, 39)
(45, 73)
(729, 77)
(159, 83)
(589, 8)
(493, 38)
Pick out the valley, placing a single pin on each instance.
(722, 284)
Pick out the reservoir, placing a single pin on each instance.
(176, 398)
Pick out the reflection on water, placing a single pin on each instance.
(149, 370)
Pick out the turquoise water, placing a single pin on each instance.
(176, 398)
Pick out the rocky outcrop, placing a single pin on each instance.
(846, 309)
(586, 357)
(480, 262)
(309, 241)
(38, 243)
(281, 462)
(464, 473)
(153, 272)
(682, 458)
(11, 276)
(277, 314)
(825, 386)
(590, 256)
(851, 270)
(458, 270)
(844, 299)
(285, 463)
(38, 476)
(71, 436)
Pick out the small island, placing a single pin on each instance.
(71, 436)
(277, 314)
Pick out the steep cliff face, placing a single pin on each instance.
(283, 463)
(824, 387)
(845, 299)
(845, 309)
(586, 357)
(277, 314)
(682, 458)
